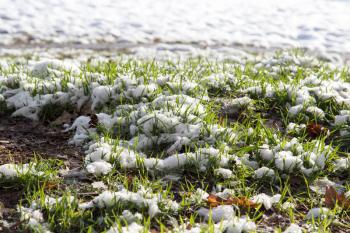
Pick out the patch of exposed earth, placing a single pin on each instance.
(20, 141)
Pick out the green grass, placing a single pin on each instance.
(232, 129)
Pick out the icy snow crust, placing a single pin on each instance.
(319, 25)
(164, 123)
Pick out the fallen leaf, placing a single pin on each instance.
(50, 185)
(332, 197)
(244, 202)
(314, 130)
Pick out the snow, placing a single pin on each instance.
(130, 217)
(8, 170)
(44, 68)
(100, 95)
(267, 24)
(288, 205)
(34, 219)
(218, 213)
(264, 172)
(82, 131)
(223, 172)
(142, 199)
(98, 185)
(11, 171)
(285, 161)
(20, 100)
(317, 213)
(266, 153)
(242, 102)
(266, 200)
(342, 164)
(343, 118)
(102, 152)
(316, 112)
(295, 109)
(132, 228)
(238, 225)
(293, 228)
(295, 127)
(248, 161)
(99, 168)
(176, 122)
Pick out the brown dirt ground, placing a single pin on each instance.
(20, 140)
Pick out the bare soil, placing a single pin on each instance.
(20, 140)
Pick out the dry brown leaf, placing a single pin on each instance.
(50, 185)
(332, 197)
(314, 130)
(244, 202)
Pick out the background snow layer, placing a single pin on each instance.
(314, 24)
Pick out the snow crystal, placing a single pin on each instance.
(132, 228)
(343, 118)
(316, 112)
(317, 213)
(342, 164)
(218, 213)
(246, 160)
(266, 200)
(100, 95)
(285, 161)
(295, 127)
(264, 172)
(103, 152)
(43, 68)
(241, 102)
(239, 225)
(288, 205)
(82, 131)
(81, 122)
(295, 110)
(266, 153)
(223, 172)
(99, 168)
(19, 100)
(8, 170)
(143, 198)
(106, 120)
(98, 185)
(250, 131)
(293, 228)
(130, 217)
(34, 219)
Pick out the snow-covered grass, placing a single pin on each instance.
(160, 136)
